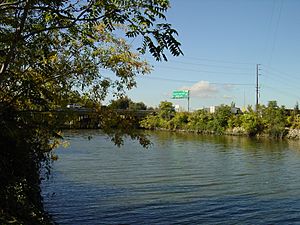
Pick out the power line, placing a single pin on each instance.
(268, 36)
(283, 80)
(221, 61)
(213, 60)
(275, 33)
(194, 81)
(279, 73)
(206, 71)
(281, 91)
(209, 65)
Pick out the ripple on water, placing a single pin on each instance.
(183, 179)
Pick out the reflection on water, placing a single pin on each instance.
(182, 179)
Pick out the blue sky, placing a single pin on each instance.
(222, 41)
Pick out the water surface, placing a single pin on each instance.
(180, 179)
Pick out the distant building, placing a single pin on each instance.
(213, 109)
(236, 110)
(233, 110)
(178, 108)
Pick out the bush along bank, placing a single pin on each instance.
(22, 157)
(269, 121)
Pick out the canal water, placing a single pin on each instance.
(180, 179)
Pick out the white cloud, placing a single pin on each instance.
(202, 89)
(228, 87)
(227, 97)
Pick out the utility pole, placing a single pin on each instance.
(188, 100)
(257, 86)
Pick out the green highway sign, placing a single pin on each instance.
(180, 94)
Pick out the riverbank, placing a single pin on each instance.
(291, 134)
(267, 121)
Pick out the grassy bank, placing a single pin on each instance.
(269, 121)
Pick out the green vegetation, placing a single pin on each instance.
(126, 103)
(270, 120)
(53, 53)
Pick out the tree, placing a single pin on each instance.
(274, 119)
(163, 119)
(137, 106)
(121, 103)
(220, 118)
(199, 120)
(252, 122)
(151, 122)
(126, 103)
(166, 110)
(179, 121)
(52, 52)
(49, 47)
(293, 118)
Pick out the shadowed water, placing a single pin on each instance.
(180, 179)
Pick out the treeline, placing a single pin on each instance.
(268, 120)
(126, 103)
